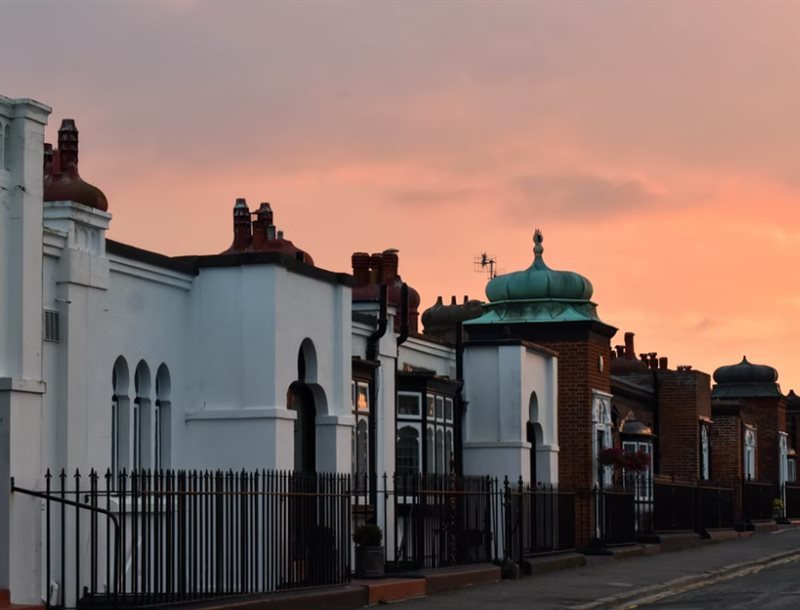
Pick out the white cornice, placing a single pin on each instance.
(150, 273)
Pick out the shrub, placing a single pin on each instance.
(368, 535)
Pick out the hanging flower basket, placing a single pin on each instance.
(611, 457)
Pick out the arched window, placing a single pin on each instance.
(162, 419)
(408, 450)
(142, 418)
(120, 416)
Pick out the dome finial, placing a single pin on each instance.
(538, 248)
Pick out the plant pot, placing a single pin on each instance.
(369, 562)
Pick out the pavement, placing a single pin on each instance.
(608, 583)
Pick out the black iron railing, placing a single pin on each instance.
(791, 494)
(538, 519)
(433, 520)
(715, 507)
(696, 506)
(675, 506)
(757, 499)
(615, 514)
(162, 537)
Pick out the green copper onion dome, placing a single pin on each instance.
(538, 294)
(539, 281)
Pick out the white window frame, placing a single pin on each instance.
(705, 451)
(601, 423)
(783, 457)
(750, 446)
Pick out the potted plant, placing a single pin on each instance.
(777, 508)
(369, 551)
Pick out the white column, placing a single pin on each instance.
(21, 384)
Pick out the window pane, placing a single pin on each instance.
(362, 448)
(431, 406)
(440, 451)
(362, 397)
(407, 450)
(448, 409)
(439, 408)
(431, 450)
(448, 451)
(408, 404)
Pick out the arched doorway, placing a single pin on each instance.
(305, 439)
(534, 436)
(301, 400)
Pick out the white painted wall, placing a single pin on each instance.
(499, 382)
(22, 125)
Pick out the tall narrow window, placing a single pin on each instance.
(783, 457)
(162, 419)
(143, 453)
(408, 450)
(114, 434)
(137, 436)
(750, 452)
(120, 411)
(361, 434)
(705, 452)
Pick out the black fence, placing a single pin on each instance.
(757, 500)
(791, 494)
(696, 506)
(433, 520)
(537, 519)
(615, 511)
(715, 507)
(163, 537)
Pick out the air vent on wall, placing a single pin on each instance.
(51, 331)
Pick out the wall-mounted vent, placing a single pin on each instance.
(51, 330)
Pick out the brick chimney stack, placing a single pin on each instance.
(68, 146)
(242, 232)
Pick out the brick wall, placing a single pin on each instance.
(683, 398)
(578, 374)
(726, 456)
(770, 418)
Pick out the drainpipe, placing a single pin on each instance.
(373, 354)
(460, 406)
(401, 338)
(657, 424)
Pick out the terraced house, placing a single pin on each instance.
(213, 425)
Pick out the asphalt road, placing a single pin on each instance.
(602, 579)
(773, 588)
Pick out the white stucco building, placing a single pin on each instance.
(112, 357)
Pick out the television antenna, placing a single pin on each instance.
(486, 263)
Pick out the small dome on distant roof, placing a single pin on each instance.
(792, 401)
(745, 372)
(746, 380)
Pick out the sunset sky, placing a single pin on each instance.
(655, 144)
